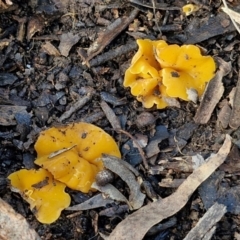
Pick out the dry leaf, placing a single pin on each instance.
(115, 164)
(13, 225)
(67, 40)
(109, 191)
(35, 24)
(213, 94)
(207, 222)
(94, 202)
(234, 15)
(50, 49)
(157, 211)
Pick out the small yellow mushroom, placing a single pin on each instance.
(160, 72)
(73, 153)
(45, 195)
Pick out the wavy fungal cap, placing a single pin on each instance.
(45, 195)
(159, 72)
(72, 154)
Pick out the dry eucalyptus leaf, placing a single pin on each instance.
(13, 225)
(207, 222)
(155, 212)
(115, 164)
(111, 192)
(212, 94)
(234, 121)
(94, 202)
(111, 116)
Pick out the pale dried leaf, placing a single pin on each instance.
(207, 222)
(111, 116)
(157, 211)
(234, 121)
(94, 202)
(235, 15)
(212, 94)
(13, 225)
(114, 164)
(109, 191)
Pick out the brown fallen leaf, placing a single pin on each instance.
(35, 24)
(111, 116)
(212, 94)
(67, 40)
(153, 213)
(13, 225)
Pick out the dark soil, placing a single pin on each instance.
(39, 84)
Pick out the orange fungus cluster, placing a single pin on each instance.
(69, 156)
(159, 72)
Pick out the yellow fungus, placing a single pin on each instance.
(45, 195)
(188, 9)
(159, 72)
(73, 153)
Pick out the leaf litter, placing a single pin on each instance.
(153, 213)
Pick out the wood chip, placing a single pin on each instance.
(7, 114)
(157, 211)
(104, 38)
